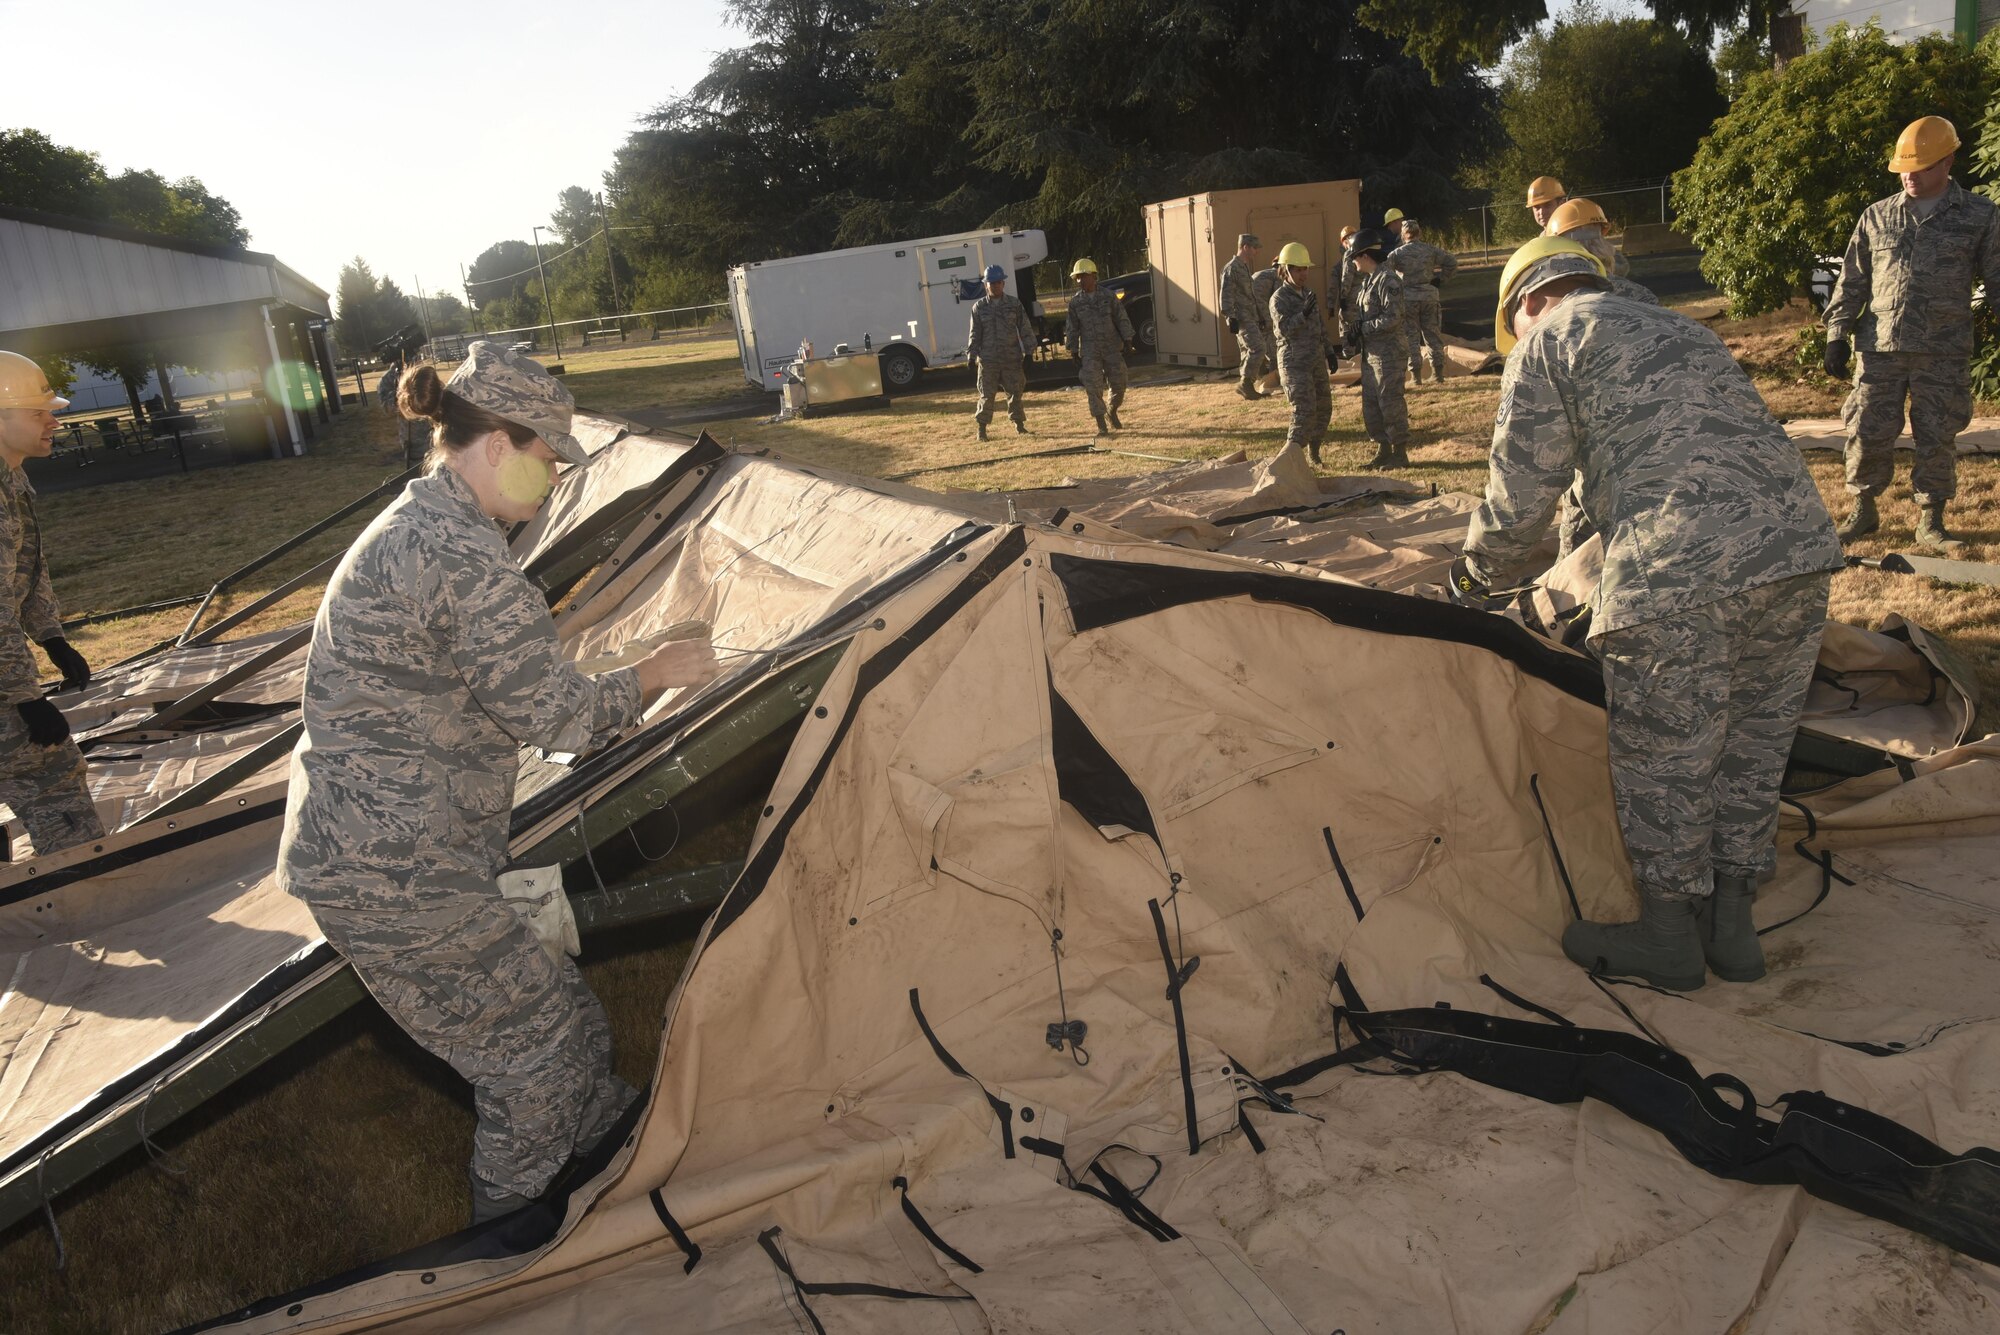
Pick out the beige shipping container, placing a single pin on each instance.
(1189, 240)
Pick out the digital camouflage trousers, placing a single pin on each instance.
(44, 787)
(1702, 708)
(1938, 391)
(469, 981)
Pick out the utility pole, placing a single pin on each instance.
(610, 263)
(548, 307)
(478, 324)
(423, 311)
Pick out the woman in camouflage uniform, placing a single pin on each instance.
(433, 660)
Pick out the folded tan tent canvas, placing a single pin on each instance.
(1140, 937)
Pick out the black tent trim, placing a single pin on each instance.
(1836, 1151)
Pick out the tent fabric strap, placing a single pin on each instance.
(923, 1226)
(1340, 869)
(1836, 1151)
(1562, 869)
(1177, 976)
(1001, 1108)
(768, 1240)
(688, 1246)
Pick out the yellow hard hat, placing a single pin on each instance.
(24, 385)
(1294, 255)
(1082, 266)
(1544, 190)
(1526, 258)
(1391, 215)
(1924, 143)
(1577, 212)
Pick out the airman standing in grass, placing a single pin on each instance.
(1708, 614)
(1423, 266)
(41, 770)
(1377, 335)
(1263, 286)
(1302, 351)
(1912, 261)
(1097, 332)
(1245, 318)
(999, 342)
(433, 661)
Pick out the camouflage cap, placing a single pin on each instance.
(1552, 268)
(505, 383)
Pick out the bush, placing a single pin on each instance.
(1782, 178)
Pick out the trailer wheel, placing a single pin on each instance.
(1147, 331)
(900, 369)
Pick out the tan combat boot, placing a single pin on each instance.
(1931, 531)
(1861, 522)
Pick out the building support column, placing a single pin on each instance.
(287, 422)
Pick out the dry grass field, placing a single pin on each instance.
(355, 1148)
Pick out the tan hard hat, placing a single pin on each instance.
(1924, 143)
(1578, 212)
(1346, 232)
(1544, 190)
(25, 385)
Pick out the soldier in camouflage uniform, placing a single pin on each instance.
(999, 343)
(41, 770)
(1302, 351)
(1423, 266)
(1097, 332)
(1242, 315)
(433, 659)
(1913, 261)
(1349, 281)
(1708, 614)
(1376, 332)
(1264, 286)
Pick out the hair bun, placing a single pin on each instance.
(420, 396)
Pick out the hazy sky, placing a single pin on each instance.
(413, 137)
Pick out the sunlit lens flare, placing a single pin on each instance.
(289, 383)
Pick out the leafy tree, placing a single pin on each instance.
(1444, 34)
(575, 219)
(843, 122)
(1592, 100)
(368, 309)
(503, 285)
(38, 173)
(1740, 55)
(1780, 181)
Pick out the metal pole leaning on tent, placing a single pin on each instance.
(389, 488)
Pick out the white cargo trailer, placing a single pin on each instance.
(908, 301)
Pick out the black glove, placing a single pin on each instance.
(1332, 359)
(1235, 325)
(1466, 588)
(46, 724)
(75, 671)
(1839, 354)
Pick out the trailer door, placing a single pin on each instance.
(947, 267)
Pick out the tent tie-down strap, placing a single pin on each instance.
(1836, 1151)
(1177, 977)
(923, 1226)
(673, 1226)
(1562, 869)
(1508, 994)
(1001, 1108)
(1113, 1191)
(801, 1289)
(1823, 859)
